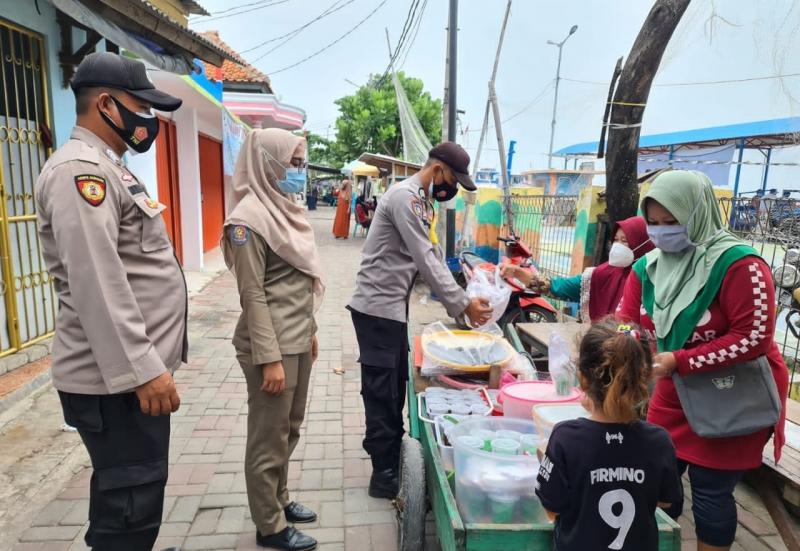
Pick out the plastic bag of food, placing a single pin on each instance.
(446, 351)
(491, 287)
(562, 369)
(521, 367)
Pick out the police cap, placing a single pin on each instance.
(106, 69)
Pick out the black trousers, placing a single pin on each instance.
(383, 345)
(129, 453)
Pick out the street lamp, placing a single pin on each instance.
(559, 45)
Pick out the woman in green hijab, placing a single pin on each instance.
(708, 300)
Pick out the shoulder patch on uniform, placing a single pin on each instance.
(240, 235)
(417, 207)
(92, 188)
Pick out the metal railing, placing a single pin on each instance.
(772, 227)
(546, 223)
(27, 312)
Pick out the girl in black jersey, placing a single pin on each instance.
(602, 478)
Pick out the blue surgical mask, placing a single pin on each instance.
(670, 239)
(295, 181)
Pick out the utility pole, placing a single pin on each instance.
(452, 107)
(560, 46)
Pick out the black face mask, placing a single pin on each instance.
(138, 132)
(446, 190)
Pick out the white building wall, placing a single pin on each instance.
(186, 124)
(143, 166)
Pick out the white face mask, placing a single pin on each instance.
(620, 255)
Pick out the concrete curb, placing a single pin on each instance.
(39, 381)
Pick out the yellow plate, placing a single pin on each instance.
(462, 338)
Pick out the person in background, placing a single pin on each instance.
(268, 244)
(709, 302)
(341, 223)
(397, 248)
(121, 323)
(597, 289)
(602, 478)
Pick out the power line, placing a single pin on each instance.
(699, 83)
(530, 104)
(416, 31)
(342, 37)
(218, 17)
(412, 9)
(333, 8)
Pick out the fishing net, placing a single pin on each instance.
(416, 144)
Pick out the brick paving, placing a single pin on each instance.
(206, 504)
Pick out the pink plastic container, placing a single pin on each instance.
(518, 399)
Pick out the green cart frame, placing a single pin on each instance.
(420, 456)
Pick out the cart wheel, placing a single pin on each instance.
(410, 501)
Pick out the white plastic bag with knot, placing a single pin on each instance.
(492, 288)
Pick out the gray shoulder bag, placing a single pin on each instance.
(732, 401)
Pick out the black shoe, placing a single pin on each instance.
(299, 514)
(384, 484)
(288, 539)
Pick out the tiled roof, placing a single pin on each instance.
(230, 71)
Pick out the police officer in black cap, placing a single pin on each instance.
(399, 247)
(121, 327)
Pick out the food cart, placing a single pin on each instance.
(425, 484)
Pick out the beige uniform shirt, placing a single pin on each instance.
(122, 296)
(277, 300)
(398, 247)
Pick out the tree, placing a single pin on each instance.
(320, 151)
(633, 89)
(370, 122)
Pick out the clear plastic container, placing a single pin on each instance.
(545, 416)
(509, 434)
(438, 408)
(460, 409)
(487, 436)
(505, 446)
(529, 444)
(495, 488)
(471, 441)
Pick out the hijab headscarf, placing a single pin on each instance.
(258, 203)
(687, 281)
(607, 281)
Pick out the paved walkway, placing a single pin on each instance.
(44, 487)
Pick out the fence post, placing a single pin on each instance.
(587, 209)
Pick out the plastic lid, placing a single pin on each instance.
(555, 413)
(537, 392)
(470, 441)
(509, 435)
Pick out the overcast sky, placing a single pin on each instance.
(746, 38)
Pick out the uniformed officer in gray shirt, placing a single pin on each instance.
(398, 247)
(121, 325)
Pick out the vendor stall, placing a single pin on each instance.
(478, 418)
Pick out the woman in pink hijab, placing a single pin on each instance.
(268, 244)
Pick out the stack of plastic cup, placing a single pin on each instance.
(505, 446)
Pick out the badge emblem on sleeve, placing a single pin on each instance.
(239, 235)
(417, 208)
(92, 188)
(151, 203)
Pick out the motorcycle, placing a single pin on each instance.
(787, 281)
(524, 306)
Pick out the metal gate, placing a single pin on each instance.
(27, 313)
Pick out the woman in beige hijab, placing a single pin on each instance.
(268, 244)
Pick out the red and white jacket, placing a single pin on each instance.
(738, 326)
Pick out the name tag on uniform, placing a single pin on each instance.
(150, 207)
